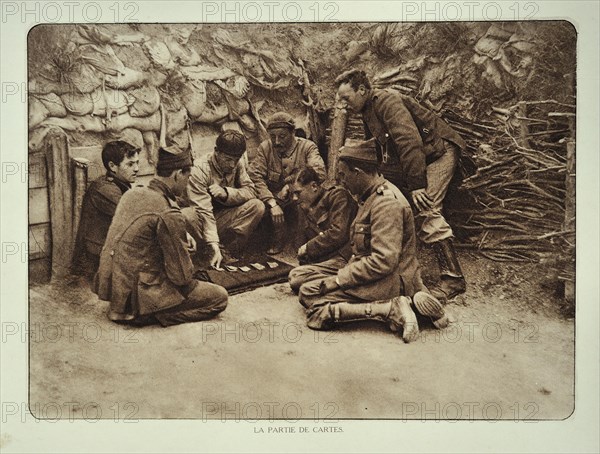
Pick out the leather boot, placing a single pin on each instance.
(452, 281)
(396, 312)
(429, 306)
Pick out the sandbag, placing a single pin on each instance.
(120, 122)
(236, 85)
(194, 98)
(205, 73)
(151, 145)
(110, 102)
(129, 135)
(181, 139)
(182, 54)
(145, 101)
(159, 54)
(101, 34)
(76, 123)
(78, 103)
(54, 104)
(37, 112)
(176, 121)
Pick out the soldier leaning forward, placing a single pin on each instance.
(383, 265)
(145, 266)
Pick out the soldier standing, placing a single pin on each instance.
(418, 152)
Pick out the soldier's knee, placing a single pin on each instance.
(221, 298)
(295, 280)
(256, 207)
(306, 294)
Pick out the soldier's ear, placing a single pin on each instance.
(362, 90)
(112, 166)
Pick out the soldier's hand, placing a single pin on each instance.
(217, 257)
(421, 199)
(284, 193)
(217, 191)
(329, 284)
(302, 251)
(191, 243)
(277, 215)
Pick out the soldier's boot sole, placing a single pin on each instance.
(402, 318)
(429, 306)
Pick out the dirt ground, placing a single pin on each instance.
(509, 353)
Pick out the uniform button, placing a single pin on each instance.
(112, 252)
(352, 243)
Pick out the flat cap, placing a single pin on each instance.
(172, 158)
(363, 151)
(281, 120)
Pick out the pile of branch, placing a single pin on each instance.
(517, 194)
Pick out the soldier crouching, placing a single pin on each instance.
(145, 266)
(383, 267)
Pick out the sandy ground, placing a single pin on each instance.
(508, 354)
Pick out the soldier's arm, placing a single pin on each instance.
(105, 198)
(337, 235)
(402, 129)
(386, 239)
(258, 173)
(201, 200)
(245, 189)
(314, 159)
(173, 243)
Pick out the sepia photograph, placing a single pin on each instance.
(297, 225)
(357, 220)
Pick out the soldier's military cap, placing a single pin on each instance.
(281, 120)
(231, 142)
(361, 151)
(172, 158)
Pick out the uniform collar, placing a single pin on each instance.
(159, 186)
(122, 185)
(379, 181)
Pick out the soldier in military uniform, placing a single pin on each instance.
(225, 210)
(383, 271)
(121, 161)
(329, 210)
(276, 160)
(145, 266)
(418, 152)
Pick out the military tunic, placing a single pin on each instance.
(417, 150)
(97, 211)
(383, 262)
(327, 231)
(237, 216)
(145, 268)
(270, 172)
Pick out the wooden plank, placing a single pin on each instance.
(39, 210)
(37, 171)
(39, 271)
(80, 182)
(40, 241)
(61, 201)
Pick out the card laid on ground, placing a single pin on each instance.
(257, 272)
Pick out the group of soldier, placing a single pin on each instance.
(358, 234)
